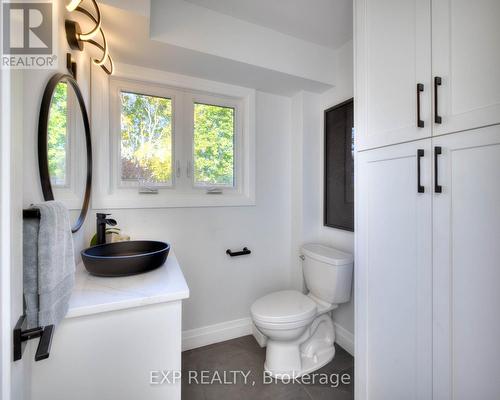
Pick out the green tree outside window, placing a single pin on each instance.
(213, 145)
(146, 138)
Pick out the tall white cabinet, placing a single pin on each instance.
(425, 67)
(466, 56)
(393, 71)
(466, 266)
(427, 115)
(394, 273)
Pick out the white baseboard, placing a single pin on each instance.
(344, 338)
(193, 338)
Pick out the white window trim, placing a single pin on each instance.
(108, 195)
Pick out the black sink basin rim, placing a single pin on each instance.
(125, 258)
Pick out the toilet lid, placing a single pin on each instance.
(283, 306)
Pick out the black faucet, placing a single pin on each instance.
(102, 221)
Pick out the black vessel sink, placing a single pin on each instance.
(125, 258)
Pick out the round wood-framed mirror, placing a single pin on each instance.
(64, 126)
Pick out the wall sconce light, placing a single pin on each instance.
(76, 38)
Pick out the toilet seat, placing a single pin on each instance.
(286, 307)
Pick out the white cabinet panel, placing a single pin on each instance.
(394, 274)
(465, 54)
(467, 266)
(393, 55)
(112, 356)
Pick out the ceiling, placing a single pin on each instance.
(318, 27)
(324, 22)
(127, 33)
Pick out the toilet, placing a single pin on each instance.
(298, 328)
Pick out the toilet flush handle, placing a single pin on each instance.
(302, 257)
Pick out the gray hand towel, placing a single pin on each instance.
(49, 265)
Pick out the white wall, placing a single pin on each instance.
(344, 240)
(308, 159)
(223, 288)
(13, 382)
(27, 90)
(297, 191)
(21, 368)
(5, 299)
(33, 86)
(288, 209)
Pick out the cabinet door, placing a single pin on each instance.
(466, 56)
(393, 55)
(393, 274)
(466, 235)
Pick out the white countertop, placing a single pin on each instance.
(94, 294)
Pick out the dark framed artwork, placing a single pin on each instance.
(339, 167)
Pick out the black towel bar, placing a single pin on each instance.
(244, 252)
(22, 335)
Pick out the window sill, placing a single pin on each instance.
(171, 200)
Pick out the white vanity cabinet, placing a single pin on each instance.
(120, 335)
(427, 266)
(402, 93)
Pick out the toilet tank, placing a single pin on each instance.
(327, 273)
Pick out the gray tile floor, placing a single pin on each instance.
(244, 354)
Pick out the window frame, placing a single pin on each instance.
(108, 195)
(117, 86)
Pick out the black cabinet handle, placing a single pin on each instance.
(437, 187)
(437, 82)
(420, 89)
(420, 154)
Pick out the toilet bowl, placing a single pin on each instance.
(298, 328)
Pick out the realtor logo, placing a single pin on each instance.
(28, 31)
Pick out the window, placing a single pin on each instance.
(178, 147)
(57, 136)
(146, 138)
(213, 145)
